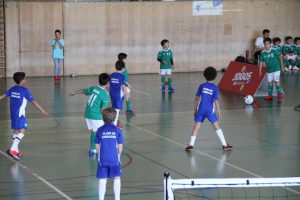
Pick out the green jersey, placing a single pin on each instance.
(297, 49)
(271, 58)
(287, 49)
(125, 73)
(99, 99)
(278, 48)
(167, 56)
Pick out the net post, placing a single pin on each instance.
(168, 192)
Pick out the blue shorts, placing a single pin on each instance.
(109, 171)
(18, 124)
(117, 103)
(201, 117)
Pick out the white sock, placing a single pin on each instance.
(221, 137)
(102, 188)
(117, 188)
(117, 117)
(16, 141)
(192, 141)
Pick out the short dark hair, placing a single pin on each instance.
(104, 79)
(18, 77)
(109, 115)
(57, 31)
(119, 65)
(276, 39)
(210, 73)
(122, 56)
(266, 31)
(163, 42)
(268, 40)
(296, 39)
(288, 38)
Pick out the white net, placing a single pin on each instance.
(232, 188)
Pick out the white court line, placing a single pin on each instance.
(141, 92)
(37, 176)
(202, 153)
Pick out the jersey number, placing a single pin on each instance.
(91, 100)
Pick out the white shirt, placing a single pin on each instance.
(259, 42)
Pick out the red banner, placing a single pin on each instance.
(242, 78)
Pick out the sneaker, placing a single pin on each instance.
(171, 90)
(290, 67)
(120, 126)
(295, 68)
(279, 96)
(13, 154)
(163, 89)
(92, 152)
(189, 148)
(269, 97)
(227, 147)
(286, 69)
(130, 113)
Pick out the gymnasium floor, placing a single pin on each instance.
(55, 164)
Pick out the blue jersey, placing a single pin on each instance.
(109, 136)
(209, 93)
(115, 90)
(19, 96)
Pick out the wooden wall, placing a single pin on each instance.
(96, 32)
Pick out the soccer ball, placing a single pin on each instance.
(248, 99)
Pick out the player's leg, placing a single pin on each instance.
(95, 124)
(163, 80)
(270, 77)
(117, 187)
(278, 86)
(89, 124)
(214, 121)
(60, 61)
(117, 116)
(129, 110)
(16, 140)
(102, 188)
(195, 130)
(170, 81)
(55, 68)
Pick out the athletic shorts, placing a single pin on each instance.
(117, 103)
(18, 124)
(274, 76)
(201, 118)
(165, 71)
(94, 124)
(109, 171)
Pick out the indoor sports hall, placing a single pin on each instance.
(55, 162)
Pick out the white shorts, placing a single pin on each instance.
(274, 76)
(165, 71)
(94, 124)
(293, 57)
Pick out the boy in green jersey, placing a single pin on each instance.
(288, 51)
(129, 111)
(297, 51)
(272, 59)
(98, 100)
(165, 57)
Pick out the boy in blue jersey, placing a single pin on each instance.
(117, 90)
(206, 101)
(109, 145)
(19, 95)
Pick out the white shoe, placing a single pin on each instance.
(295, 68)
(290, 67)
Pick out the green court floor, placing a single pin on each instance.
(55, 162)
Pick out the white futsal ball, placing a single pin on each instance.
(248, 99)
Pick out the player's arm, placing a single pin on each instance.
(2, 96)
(196, 103)
(172, 61)
(76, 92)
(260, 67)
(98, 148)
(37, 105)
(159, 59)
(281, 63)
(53, 44)
(125, 92)
(60, 44)
(120, 149)
(217, 105)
